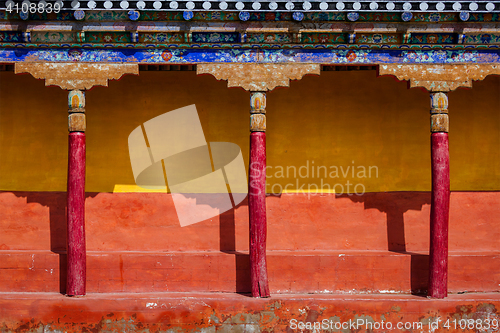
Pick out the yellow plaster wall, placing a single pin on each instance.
(336, 119)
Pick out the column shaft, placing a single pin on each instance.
(440, 201)
(257, 196)
(76, 277)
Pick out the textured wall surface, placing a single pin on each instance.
(193, 312)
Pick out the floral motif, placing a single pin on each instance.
(75, 54)
(161, 38)
(351, 56)
(377, 38)
(107, 37)
(166, 55)
(434, 17)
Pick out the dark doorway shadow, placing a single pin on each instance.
(227, 243)
(395, 204)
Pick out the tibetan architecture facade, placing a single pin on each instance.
(370, 131)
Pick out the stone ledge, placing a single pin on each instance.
(217, 312)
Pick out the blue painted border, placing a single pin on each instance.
(193, 56)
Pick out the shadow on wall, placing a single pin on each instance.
(395, 204)
(227, 241)
(56, 202)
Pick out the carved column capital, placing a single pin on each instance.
(437, 77)
(258, 77)
(76, 76)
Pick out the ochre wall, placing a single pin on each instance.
(335, 119)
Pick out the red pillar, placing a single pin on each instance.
(257, 196)
(76, 277)
(440, 202)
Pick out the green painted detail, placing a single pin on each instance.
(161, 37)
(435, 17)
(161, 16)
(419, 38)
(106, 15)
(484, 17)
(381, 17)
(53, 37)
(269, 38)
(482, 39)
(325, 17)
(107, 37)
(323, 38)
(378, 38)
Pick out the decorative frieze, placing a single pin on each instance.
(363, 38)
(228, 53)
(278, 5)
(436, 38)
(261, 15)
(162, 37)
(76, 76)
(215, 37)
(493, 38)
(440, 78)
(323, 38)
(107, 37)
(258, 77)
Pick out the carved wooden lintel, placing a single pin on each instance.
(258, 77)
(437, 77)
(71, 76)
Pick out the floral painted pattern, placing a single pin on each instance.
(215, 37)
(197, 55)
(323, 38)
(11, 36)
(378, 38)
(418, 38)
(52, 37)
(107, 37)
(163, 37)
(269, 38)
(482, 39)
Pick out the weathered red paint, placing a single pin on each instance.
(76, 278)
(211, 312)
(257, 214)
(440, 204)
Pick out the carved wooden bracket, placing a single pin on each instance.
(440, 77)
(258, 77)
(80, 76)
